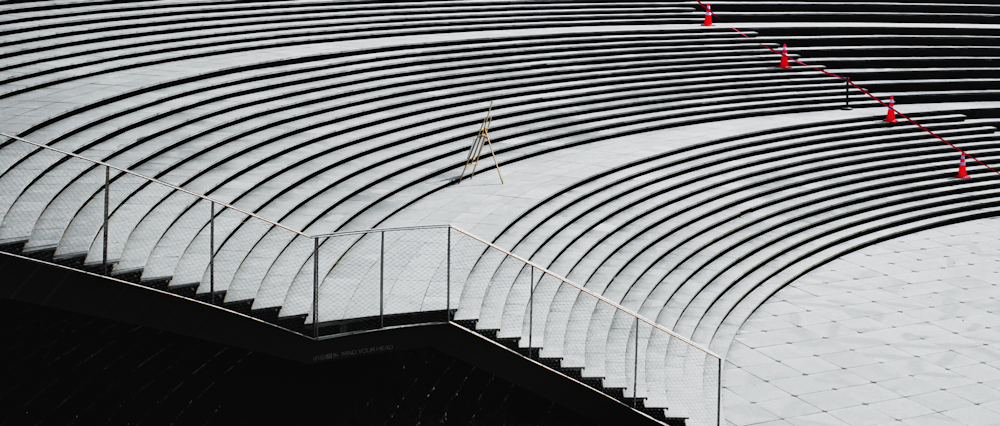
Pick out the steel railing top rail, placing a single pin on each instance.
(366, 231)
(598, 296)
(374, 230)
(174, 187)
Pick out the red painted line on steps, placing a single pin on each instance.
(848, 80)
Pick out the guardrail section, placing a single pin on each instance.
(62, 207)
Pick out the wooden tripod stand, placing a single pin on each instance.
(482, 139)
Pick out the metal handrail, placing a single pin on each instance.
(598, 296)
(174, 187)
(373, 230)
(316, 239)
(366, 231)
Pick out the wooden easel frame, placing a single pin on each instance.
(476, 151)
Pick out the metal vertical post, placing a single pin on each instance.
(211, 254)
(531, 310)
(315, 287)
(718, 399)
(107, 187)
(635, 367)
(381, 282)
(447, 281)
(847, 93)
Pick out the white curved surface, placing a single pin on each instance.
(904, 332)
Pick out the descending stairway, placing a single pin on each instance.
(699, 248)
(318, 157)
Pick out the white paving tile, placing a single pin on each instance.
(940, 401)
(861, 415)
(905, 332)
(974, 416)
(902, 408)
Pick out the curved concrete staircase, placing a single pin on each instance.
(919, 51)
(334, 116)
(712, 231)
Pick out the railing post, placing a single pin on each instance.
(211, 254)
(381, 281)
(847, 93)
(107, 187)
(531, 309)
(315, 287)
(447, 281)
(635, 367)
(718, 395)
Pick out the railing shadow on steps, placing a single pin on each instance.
(86, 214)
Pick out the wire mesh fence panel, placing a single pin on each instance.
(59, 211)
(682, 378)
(236, 236)
(531, 275)
(497, 292)
(131, 199)
(28, 189)
(12, 152)
(139, 253)
(701, 400)
(195, 258)
(291, 268)
(536, 313)
(619, 352)
(584, 321)
(290, 261)
(463, 254)
(658, 374)
(85, 228)
(518, 296)
(350, 282)
(482, 262)
(12, 185)
(711, 379)
(251, 281)
(515, 305)
(283, 290)
(559, 311)
(21, 169)
(415, 268)
(183, 223)
(642, 362)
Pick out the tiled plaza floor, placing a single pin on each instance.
(905, 332)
